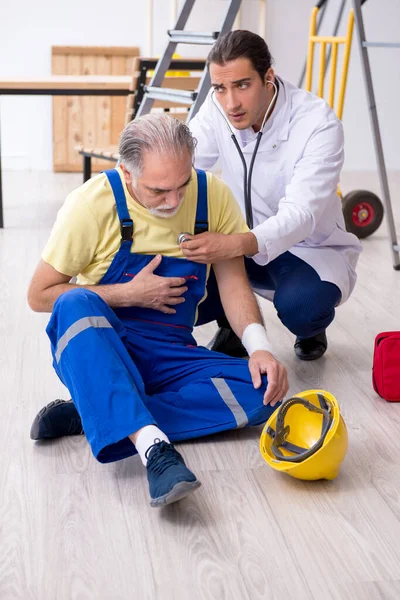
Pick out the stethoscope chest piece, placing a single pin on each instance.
(182, 237)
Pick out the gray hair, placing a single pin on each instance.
(156, 133)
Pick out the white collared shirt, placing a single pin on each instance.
(294, 185)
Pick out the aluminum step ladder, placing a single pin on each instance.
(154, 91)
(373, 113)
(364, 45)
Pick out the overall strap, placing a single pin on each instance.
(126, 223)
(201, 224)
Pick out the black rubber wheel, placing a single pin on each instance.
(363, 212)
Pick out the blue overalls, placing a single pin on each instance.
(130, 367)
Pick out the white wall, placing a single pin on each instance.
(28, 30)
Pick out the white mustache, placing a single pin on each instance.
(164, 211)
(166, 207)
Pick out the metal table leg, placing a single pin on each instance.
(1, 193)
(87, 167)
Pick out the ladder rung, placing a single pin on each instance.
(327, 39)
(381, 44)
(170, 95)
(192, 37)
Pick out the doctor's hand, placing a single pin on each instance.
(152, 291)
(261, 363)
(210, 247)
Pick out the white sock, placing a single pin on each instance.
(146, 438)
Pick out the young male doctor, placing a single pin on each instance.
(281, 152)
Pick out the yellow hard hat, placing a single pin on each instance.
(306, 436)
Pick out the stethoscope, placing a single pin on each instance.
(247, 180)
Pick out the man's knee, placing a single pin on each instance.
(260, 415)
(74, 305)
(76, 297)
(257, 412)
(309, 311)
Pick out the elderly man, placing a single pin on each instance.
(281, 152)
(121, 337)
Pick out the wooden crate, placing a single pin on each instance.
(86, 120)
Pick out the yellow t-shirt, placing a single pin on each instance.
(86, 235)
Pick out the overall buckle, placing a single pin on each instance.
(126, 229)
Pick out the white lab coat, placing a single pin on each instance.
(294, 183)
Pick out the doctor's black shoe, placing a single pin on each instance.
(168, 476)
(227, 342)
(311, 348)
(57, 419)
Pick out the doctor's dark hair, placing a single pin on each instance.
(241, 44)
(155, 133)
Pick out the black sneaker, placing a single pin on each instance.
(57, 419)
(311, 348)
(168, 476)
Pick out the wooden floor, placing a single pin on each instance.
(72, 529)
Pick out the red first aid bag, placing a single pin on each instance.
(386, 366)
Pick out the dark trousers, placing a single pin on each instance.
(304, 303)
